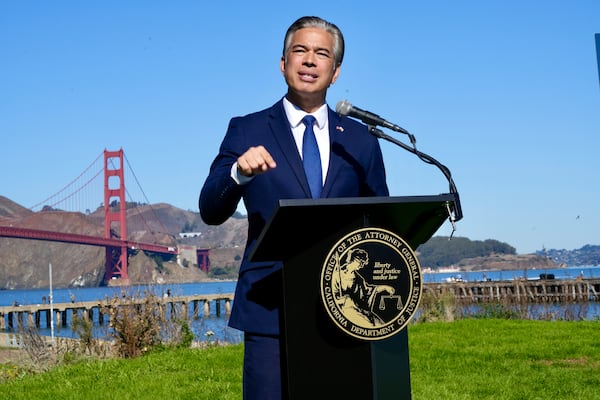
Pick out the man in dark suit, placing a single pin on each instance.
(261, 161)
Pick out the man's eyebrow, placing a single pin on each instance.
(299, 46)
(305, 47)
(324, 49)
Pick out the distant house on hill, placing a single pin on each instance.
(184, 235)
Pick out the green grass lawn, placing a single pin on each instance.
(466, 359)
(505, 359)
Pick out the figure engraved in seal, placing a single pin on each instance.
(353, 295)
(371, 283)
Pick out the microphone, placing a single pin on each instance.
(345, 108)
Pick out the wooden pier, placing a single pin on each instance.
(12, 317)
(511, 291)
(519, 290)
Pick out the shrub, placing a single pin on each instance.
(140, 323)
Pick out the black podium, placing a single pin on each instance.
(320, 360)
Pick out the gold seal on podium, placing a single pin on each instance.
(371, 283)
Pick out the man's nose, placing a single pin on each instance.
(309, 58)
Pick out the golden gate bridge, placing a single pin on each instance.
(115, 239)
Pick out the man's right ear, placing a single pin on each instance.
(282, 65)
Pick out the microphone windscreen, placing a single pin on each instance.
(343, 107)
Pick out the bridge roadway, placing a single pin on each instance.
(25, 233)
(15, 315)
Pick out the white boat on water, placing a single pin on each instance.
(455, 278)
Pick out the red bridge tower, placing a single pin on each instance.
(114, 189)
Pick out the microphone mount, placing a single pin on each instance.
(454, 211)
(372, 120)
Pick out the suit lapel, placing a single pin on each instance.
(336, 135)
(279, 123)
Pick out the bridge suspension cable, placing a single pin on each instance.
(145, 197)
(66, 197)
(83, 192)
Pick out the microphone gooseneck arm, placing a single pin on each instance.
(345, 108)
(455, 214)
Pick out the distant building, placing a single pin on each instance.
(195, 256)
(184, 235)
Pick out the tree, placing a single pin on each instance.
(442, 251)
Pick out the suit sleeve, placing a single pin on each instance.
(220, 194)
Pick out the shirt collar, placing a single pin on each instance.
(295, 114)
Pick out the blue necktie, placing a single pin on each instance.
(311, 158)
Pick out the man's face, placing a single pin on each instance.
(309, 67)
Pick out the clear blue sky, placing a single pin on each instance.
(504, 93)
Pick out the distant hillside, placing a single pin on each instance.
(10, 209)
(587, 255)
(476, 255)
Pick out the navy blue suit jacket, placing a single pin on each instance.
(356, 169)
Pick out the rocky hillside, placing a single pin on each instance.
(506, 262)
(24, 263)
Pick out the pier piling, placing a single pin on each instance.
(520, 290)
